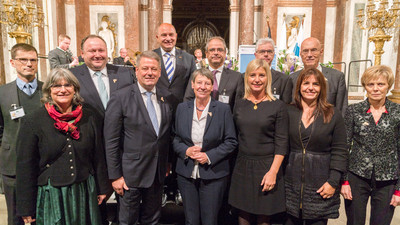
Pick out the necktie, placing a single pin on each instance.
(215, 85)
(27, 88)
(102, 89)
(169, 66)
(152, 111)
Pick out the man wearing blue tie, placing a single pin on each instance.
(177, 66)
(137, 137)
(18, 98)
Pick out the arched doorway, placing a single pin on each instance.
(197, 20)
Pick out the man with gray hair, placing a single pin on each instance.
(281, 84)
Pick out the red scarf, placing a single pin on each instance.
(65, 122)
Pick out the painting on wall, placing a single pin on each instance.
(293, 24)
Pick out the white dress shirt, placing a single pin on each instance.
(173, 57)
(104, 77)
(153, 99)
(198, 127)
(218, 75)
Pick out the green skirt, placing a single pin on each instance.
(71, 205)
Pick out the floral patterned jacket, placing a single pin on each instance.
(374, 147)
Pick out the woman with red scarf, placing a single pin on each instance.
(61, 168)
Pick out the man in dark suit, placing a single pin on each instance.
(137, 136)
(18, 98)
(228, 84)
(97, 78)
(281, 86)
(61, 57)
(310, 53)
(123, 58)
(177, 66)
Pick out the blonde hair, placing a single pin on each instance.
(374, 72)
(252, 66)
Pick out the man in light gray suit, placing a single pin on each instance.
(61, 57)
(18, 98)
(310, 53)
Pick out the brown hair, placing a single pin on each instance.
(90, 37)
(61, 37)
(22, 47)
(323, 107)
(252, 66)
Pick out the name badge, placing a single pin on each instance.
(223, 98)
(276, 96)
(16, 112)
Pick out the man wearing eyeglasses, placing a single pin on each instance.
(310, 54)
(228, 84)
(18, 98)
(281, 86)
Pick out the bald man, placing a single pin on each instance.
(123, 58)
(310, 53)
(176, 66)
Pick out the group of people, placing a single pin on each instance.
(264, 142)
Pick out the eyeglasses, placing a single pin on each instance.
(25, 61)
(59, 86)
(216, 50)
(262, 52)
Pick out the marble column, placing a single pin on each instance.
(155, 19)
(144, 31)
(132, 25)
(318, 21)
(82, 21)
(2, 69)
(395, 97)
(167, 12)
(257, 22)
(42, 45)
(339, 33)
(246, 22)
(60, 16)
(233, 30)
(270, 9)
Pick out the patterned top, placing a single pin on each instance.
(374, 147)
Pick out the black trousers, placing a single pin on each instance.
(141, 205)
(291, 220)
(381, 194)
(9, 193)
(202, 199)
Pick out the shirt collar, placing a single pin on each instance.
(205, 111)
(61, 49)
(21, 83)
(172, 52)
(143, 90)
(103, 71)
(319, 67)
(219, 69)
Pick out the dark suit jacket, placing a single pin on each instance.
(118, 76)
(40, 156)
(185, 65)
(59, 59)
(8, 127)
(120, 61)
(281, 85)
(219, 140)
(337, 93)
(231, 83)
(128, 127)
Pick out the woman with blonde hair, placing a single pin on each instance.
(257, 188)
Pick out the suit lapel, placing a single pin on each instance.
(189, 118)
(89, 85)
(178, 64)
(223, 81)
(142, 107)
(164, 111)
(163, 77)
(274, 75)
(210, 115)
(112, 78)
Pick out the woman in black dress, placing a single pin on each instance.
(318, 154)
(257, 187)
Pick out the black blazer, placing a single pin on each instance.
(40, 156)
(231, 83)
(185, 65)
(9, 128)
(118, 76)
(133, 149)
(282, 86)
(219, 140)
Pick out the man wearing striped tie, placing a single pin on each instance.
(177, 66)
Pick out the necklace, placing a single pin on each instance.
(256, 102)
(201, 110)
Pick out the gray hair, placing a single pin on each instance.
(150, 55)
(55, 76)
(203, 72)
(216, 38)
(264, 41)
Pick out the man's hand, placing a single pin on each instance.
(100, 198)
(119, 186)
(75, 61)
(126, 59)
